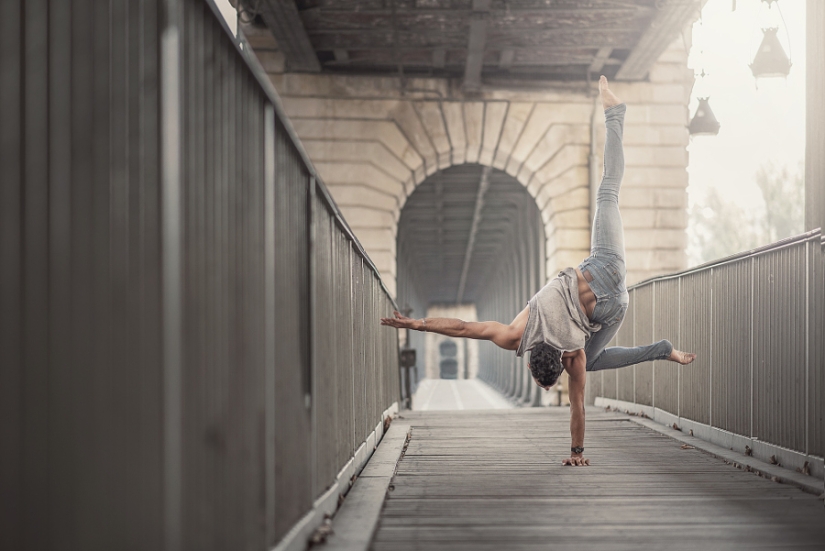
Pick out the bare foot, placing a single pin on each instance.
(609, 99)
(680, 357)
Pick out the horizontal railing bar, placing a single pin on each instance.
(813, 235)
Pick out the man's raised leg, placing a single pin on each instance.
(607, 235)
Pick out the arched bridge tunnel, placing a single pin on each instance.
(201, 226)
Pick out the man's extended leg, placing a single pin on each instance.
(607, 236)
(619, 356)
(614, 357)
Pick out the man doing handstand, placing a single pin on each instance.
(568, 323)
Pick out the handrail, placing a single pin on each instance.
(812, 235)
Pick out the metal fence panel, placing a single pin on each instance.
(292, 377)
(666, 326)
(695, 334)
(625, 377)
(816, 349)
(731, 354)
(342, 263)
(642, 335)
(609, 383)
(755, 321)
(324, 391)
(780, 306)
(156, 364)
(12, 191)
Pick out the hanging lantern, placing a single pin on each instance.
(770, 60)
(704, 121)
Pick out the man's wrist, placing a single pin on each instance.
(423, 325)
(576, 450)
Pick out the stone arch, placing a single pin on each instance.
(374, 139)
(373, 158)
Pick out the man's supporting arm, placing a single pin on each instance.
(507, 337)
(577, 377)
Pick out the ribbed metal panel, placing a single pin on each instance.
(609, 383)
(816, 350)
(626, 375)
(594, 387)
(780, 306)
(755, 322)
(293, 442)
(695, 334)
(643, 321)
(325, 355)
(666, 326)
(731, 355)
(159, 386)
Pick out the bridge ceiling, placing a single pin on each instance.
(475, 39)
(445, 242)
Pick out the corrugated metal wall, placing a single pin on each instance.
(756, 324)
(188, 328)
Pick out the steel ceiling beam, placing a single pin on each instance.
(284, 22)
(483, 184)
(666, 25)
(475, 45)
(601, 58)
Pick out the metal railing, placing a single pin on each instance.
(756, 321)
(188, 328)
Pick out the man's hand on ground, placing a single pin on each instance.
(576, 461)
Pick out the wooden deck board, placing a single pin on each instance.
(494, 480)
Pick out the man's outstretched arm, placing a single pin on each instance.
(577, 377)
(507, 337)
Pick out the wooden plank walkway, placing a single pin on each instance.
(493, 480)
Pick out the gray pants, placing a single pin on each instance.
(605, 267)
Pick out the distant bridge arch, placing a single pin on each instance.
(374, 142)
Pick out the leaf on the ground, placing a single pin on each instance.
(688, 447)
(322, 532)
(748, 450)
(774, 460)
(676, 427)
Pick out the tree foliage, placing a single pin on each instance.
(719, 227)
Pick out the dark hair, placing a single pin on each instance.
(545, 364)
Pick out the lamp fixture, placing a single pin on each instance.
(704, 122)
(770, 60)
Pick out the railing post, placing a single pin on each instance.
(269, 321)
(172, 271)
(807, 342)
(753, 299)
(310, 390)
(710, 359)
(653, 336)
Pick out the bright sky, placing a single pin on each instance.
(761, 125)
